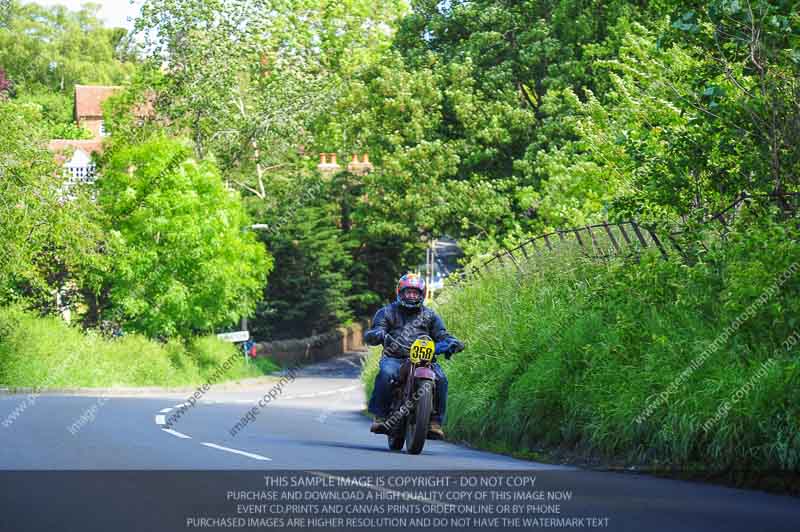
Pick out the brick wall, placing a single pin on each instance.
(314, 348)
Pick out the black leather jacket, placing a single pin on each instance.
(396, 327)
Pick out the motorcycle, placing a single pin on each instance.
(413, 398)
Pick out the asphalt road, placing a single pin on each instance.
(315, 423)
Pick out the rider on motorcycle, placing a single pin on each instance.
(396, 326)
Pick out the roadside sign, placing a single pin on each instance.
(235, 337)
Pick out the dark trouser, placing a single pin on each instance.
(381, 399)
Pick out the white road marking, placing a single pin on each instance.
(161, 420)
(236, 451)
(164, 410)
(320, 394)
(282, 397)
(176, 433)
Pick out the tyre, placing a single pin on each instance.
(397, 435)
(418, 420)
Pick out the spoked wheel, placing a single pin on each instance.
(418, 420)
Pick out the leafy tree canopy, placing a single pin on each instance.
(182, 257)
(53, 48)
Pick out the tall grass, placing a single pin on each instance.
(570, 354)
(46, 352)
(370, 370)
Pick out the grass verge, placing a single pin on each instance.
(46, 352)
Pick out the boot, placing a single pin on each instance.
(435, 431)
(379, 426)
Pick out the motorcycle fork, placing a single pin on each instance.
(408, 393)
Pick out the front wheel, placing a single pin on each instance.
(417, 421)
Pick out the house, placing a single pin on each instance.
(88, 110)
(89, 106)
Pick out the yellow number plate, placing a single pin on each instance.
(422, 350)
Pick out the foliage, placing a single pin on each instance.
(574, 351)
(44, 241)
(518, 117)
(46, 51)
(70, 131)
(62, 356)
(50, 49)
(6, 85)
(248, 82)
(313, 292)
(181, 259)
(487, 120)
(245, 77)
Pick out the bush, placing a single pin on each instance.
(210, 353)
(46, 352)
(618, 358)
(207, 352)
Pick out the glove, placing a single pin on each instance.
(375, 337)
(442, 347)
(455, 347)
(449, 347)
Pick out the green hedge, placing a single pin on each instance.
(45, 351)
(574, 352)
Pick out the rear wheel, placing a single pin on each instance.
(417, 421)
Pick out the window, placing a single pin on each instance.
(80, 169)
(103, 132)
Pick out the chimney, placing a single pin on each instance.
(362, 167)
(327, 164)
(355, 166)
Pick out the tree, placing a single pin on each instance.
(47, 50)
(700, 109)
(752, 86)
(249, 82)
(313, 292)
(487, 120)
(6, 85)
(182, 258)
(45, 241)
(53, 48)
